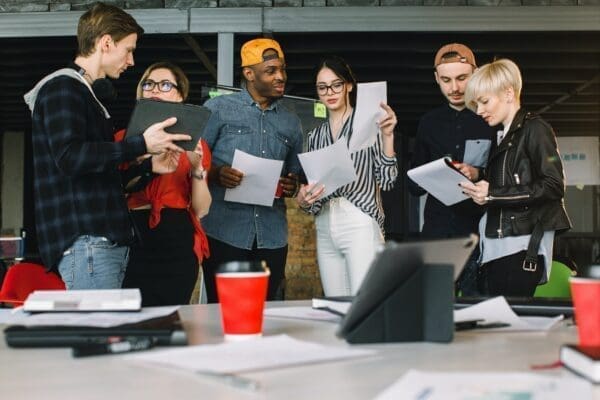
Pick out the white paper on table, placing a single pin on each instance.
(308, 313)
(254, 354)
(330, 166)
(365, 127)
(260, 179)
(420, 385)
(497, 310)
(440, 180)
(88, 319)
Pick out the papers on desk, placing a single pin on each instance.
(301, 313)
(260, 179)
(440, 179)
(86, 319)
(330, 166)
(262, 353)
(419, 385)
(497, 310)
(338, 306)
(365, 127)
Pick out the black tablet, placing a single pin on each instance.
(191, 119)
(395, 265)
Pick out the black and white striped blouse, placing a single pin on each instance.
(374, 169)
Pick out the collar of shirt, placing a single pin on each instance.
(247, 99)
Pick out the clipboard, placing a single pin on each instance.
(440, 178)
(191, 119)
(408, 293)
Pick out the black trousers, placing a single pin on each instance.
(163, 264)
(221, 252)
(506, 276)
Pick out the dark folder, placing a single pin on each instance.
(164, 331)
(408, 295)
(191, 119)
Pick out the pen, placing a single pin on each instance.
(126, 345)
(234, 380)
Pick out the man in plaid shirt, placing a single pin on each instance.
(82, 219)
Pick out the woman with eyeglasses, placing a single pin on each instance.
(349, 221)
(165, 262)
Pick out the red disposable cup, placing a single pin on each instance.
(586, 300)
(242, 298)
(279, 190)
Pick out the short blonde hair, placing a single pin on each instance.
(181, 80)
(494, 78)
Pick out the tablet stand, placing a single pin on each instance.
(419, 309)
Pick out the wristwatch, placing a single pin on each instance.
(201, 175)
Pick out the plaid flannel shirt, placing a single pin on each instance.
(77, 185)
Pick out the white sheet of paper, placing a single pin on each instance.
(368, 112)
(88, 319)
(260, 179)
(262, 353)
(497, 310)
(420, 385)
(330, 166)
(301, 313)
(440, 181)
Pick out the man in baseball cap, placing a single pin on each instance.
(453, 131)
(255, 122)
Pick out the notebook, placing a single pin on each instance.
(541, 306)
(84, 300)
(584, 361)
(191, 119)
(166, 330)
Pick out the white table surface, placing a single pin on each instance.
(54, 374)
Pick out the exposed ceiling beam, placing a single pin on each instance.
(201, 54)
(572, 93)
(320, 19)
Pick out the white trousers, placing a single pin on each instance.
(347, 242)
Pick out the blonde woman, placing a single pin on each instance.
(523, 186)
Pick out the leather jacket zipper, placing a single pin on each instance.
(500, 234)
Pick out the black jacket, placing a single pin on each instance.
(526, 180)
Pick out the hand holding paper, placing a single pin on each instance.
(260, 179)
(441, 179)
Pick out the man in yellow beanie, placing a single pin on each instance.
(253, 121)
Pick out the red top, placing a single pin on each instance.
(173, 191)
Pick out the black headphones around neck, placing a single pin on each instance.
(102, 87)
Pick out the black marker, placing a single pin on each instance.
(126, 345)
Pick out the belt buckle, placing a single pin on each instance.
(530, 266)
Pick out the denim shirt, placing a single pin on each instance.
(237, 122)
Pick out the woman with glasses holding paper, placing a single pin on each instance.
(165, 262)
(523, 187)
(349, 221)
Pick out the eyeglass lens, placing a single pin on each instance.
(336, 87)
(163, 86)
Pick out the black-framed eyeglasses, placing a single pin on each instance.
(336, 87)
(164, 85)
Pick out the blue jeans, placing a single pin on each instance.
(93, 262)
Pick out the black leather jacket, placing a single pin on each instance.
(526, 180)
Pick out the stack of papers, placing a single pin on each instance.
(419, 385)
(250, 355)
(497, 310)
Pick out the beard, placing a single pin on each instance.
(269, 89)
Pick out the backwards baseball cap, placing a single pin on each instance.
(253, 51)
(462, 54)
